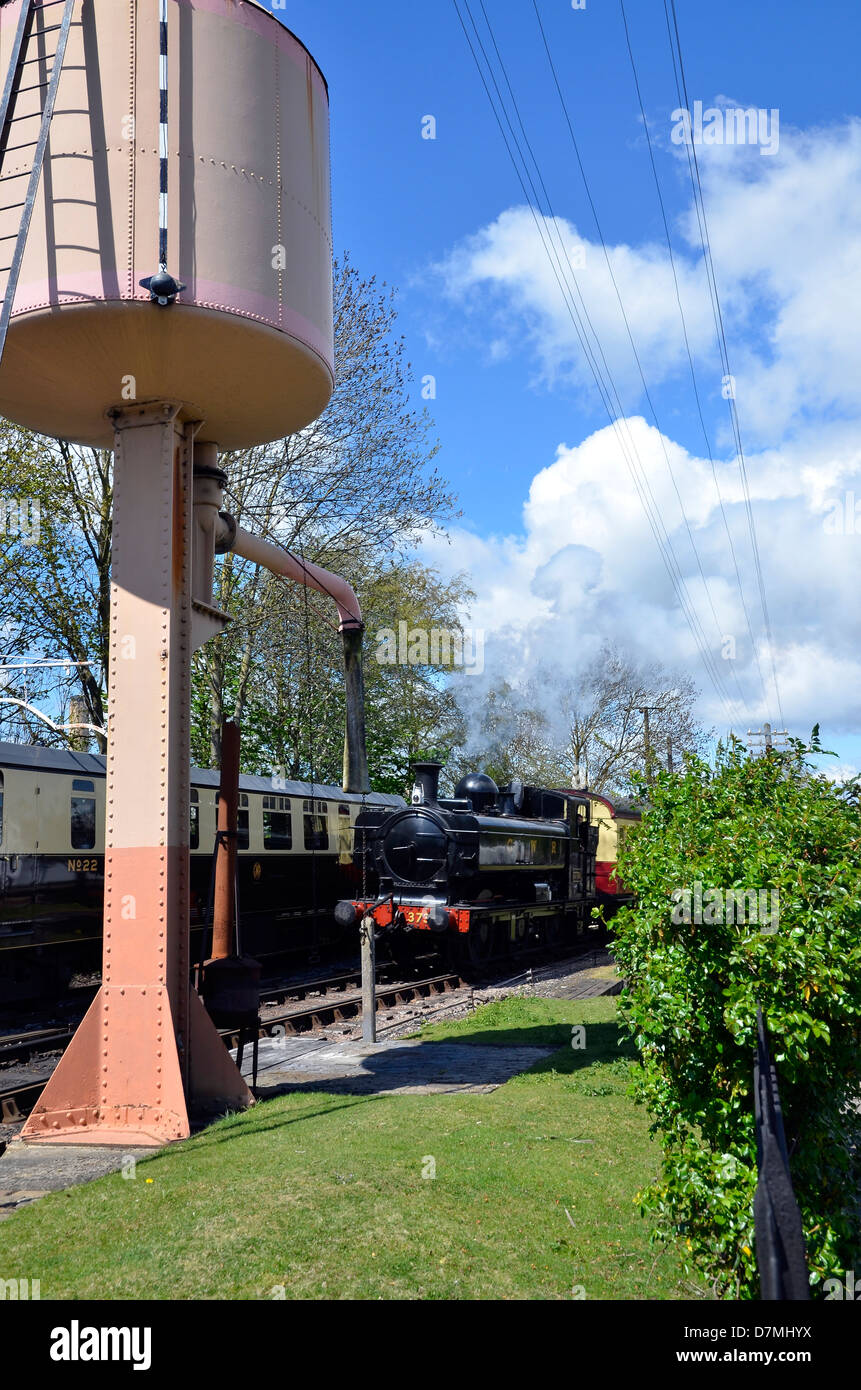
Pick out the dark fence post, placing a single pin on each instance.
(780, 1253)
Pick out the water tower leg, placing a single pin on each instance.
(147, 1052)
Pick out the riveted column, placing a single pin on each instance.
(145, 1021)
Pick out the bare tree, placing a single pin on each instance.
(606, 726)
(586, 732)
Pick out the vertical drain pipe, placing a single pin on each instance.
(355, 771)
(231, 982)
(227, 825)
(355, 778)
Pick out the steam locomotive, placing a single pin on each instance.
(488, 871)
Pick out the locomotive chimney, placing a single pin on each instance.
(426, 784)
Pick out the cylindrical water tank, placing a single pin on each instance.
(248, 345)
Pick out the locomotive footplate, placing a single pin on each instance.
(412, 915)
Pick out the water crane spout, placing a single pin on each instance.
(350, 626)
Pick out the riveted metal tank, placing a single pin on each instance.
(248, 345)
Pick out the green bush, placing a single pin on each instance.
(769, 824)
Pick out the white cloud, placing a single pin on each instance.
(518, 263)
(839, 772)
(584, 568)
(786, 240)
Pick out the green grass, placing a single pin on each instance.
(532, 1022)
(323, 1193)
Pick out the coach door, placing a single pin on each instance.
(345, 835)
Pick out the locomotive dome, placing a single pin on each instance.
(478, 789)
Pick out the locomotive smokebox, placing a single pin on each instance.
(426, 783)
(247, 345)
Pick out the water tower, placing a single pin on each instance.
(172, 296)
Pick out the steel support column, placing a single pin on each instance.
(147, 1053)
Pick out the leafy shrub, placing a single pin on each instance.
(759, 823)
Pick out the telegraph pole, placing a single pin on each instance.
(768, 735)
(669, 754)
(645, 710)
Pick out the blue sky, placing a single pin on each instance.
(524, 438)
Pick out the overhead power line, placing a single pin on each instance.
(564, 275)
(686, 337)
(628, 330)
(702, 221)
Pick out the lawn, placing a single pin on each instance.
(523, 1193)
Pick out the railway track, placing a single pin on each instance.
(337, 1003)
(330, 995)
(348, 1006)
(22, 1047)
(16, 1102)
(315, 1003)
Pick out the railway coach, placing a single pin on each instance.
(613, 821)
(295, 856)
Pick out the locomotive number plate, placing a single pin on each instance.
(82, 866)
(414, 916)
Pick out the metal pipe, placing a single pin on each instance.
(224, 909)
(277, 559)
(355, 777)
(350, 626)
(208, 530)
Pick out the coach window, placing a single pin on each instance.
(1, 808)
(316, 828)
(243, 838)
(242, 832)
(83, 814)
(277, 824)
(194, 820)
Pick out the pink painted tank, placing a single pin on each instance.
(247, 348)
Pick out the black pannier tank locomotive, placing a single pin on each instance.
(490, 869)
